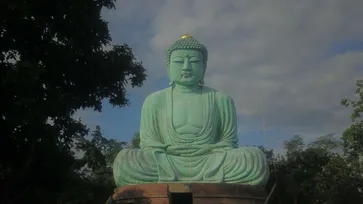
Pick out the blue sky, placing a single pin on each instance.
(303, 57)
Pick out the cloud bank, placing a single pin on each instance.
(297, 58)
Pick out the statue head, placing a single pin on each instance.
(186, 61)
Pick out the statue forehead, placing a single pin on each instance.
(183, 52)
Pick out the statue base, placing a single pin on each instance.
(189, 193)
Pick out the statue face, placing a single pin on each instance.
(186, 67)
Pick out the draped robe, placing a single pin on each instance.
(226, 163)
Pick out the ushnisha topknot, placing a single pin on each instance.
(187, 42)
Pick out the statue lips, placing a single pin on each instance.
(186, 74)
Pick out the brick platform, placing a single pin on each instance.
(196, 193)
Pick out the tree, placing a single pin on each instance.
(327, 142)
(52, 63)
(357, 105)
(294, 146)
(315, 173)
(135, 143)
(353, 136)
(96, 165)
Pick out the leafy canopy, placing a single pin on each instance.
(53, 63)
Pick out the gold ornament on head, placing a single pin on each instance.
(186, 36)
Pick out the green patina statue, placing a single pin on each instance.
(188, 131)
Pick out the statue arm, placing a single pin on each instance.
(228, 124)
(150, 138)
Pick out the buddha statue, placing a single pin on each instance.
(188, 131)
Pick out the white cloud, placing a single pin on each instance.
(280, 48)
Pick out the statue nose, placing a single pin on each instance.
(186, 65)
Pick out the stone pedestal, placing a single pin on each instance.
(193, 193)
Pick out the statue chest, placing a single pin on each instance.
(188, 114)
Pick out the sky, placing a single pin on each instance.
(292, 60)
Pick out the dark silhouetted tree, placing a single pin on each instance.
(52, 63)
(135, 142)
(96, 165)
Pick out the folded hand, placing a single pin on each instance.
(188, 150)
(200, 150)
(178, 150)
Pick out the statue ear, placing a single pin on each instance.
(171, 83)
(201, 82)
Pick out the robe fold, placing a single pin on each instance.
(225, 164)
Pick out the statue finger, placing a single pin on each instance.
(193, 146)
(173, 148)
(186, 155)
(181, 147)
(188, 150)
(197, 153)
(189, 153)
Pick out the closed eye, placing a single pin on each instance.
(194, 59)
(178, 61)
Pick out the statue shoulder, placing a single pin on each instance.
(225, 100)
(220, 96)
(155, 97)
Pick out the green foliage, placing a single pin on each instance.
(353, 140)
(353, 136)
(52, 63)
(96, 165)
(293, 146)
(315, 173)
(357, 105)
(327, 142)
(325, 171)
(135, 143)
(99, 152)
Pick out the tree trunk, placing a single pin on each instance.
(295, 199)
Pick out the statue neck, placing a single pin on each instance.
(187, 89)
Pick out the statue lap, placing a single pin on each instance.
(245, 165)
